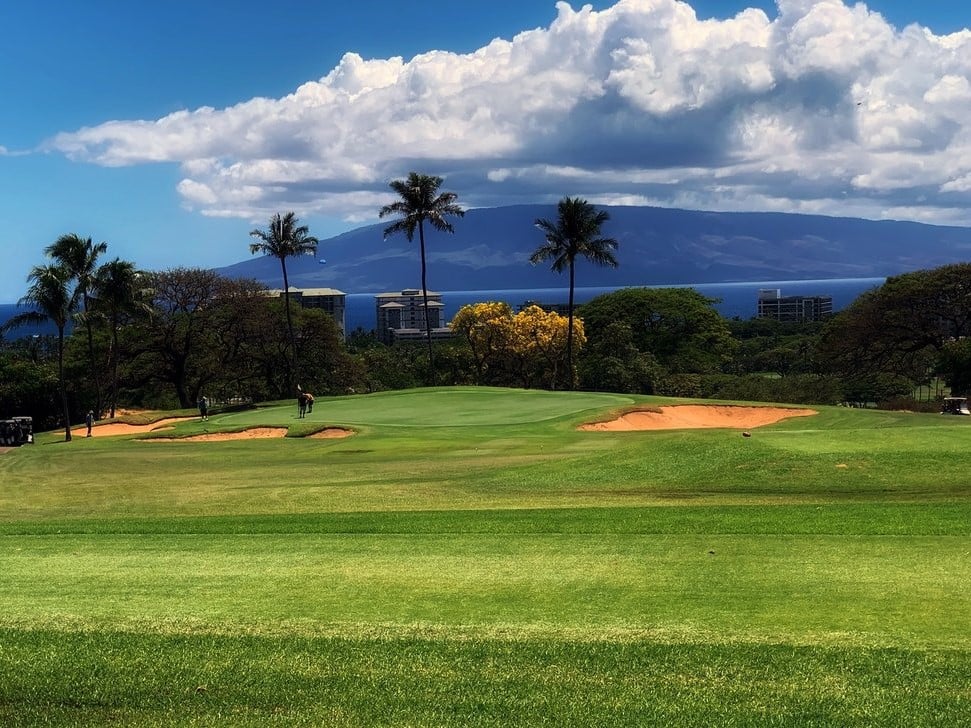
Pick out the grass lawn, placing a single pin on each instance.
(468, 557)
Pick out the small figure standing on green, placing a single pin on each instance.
(89, 421)
(204, 408)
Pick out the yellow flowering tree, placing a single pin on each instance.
(487, 329)
(528, 348)
(541, 345)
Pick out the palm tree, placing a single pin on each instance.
(117, 290)
(79, 256)
(419, 202)
(283, 239)
(52, 299)
(576, 233)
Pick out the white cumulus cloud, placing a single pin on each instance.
(825, 108)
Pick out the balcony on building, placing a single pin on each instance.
(792, 309)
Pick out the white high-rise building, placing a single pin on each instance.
(401, 316)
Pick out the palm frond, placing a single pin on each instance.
(406, 225)
(50, 294)
(575, 233)
(395, 208)
(419, 202)
(283, 238)
(24, 319)
(79, 256)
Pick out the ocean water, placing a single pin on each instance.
(734, 299)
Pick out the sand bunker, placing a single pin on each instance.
(251, 434)
(122, 428)
(690, 416)
(331, 433)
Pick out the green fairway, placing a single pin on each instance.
(467, 557)
(443, 407)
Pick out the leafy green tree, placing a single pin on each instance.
(902, 327)
(388, 367)
(175, 343)
(765, 345)
(224, 337)
(679, 327)
(79, 256)
(795, 388)
(419, 202)
(575, 233)
(29, 386)
(612, 363)
(52, 299)
(285, 238)
(954, 366)
(326, 368)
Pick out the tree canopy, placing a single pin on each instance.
(906, 327)
(679, 327)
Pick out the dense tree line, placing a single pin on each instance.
(165, 338)
(187, 332)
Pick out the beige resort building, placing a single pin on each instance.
(401, 316)
(329, 300)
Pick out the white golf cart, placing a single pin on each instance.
(955, 406)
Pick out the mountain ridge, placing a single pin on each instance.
(490, 250)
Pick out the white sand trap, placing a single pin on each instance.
(691, 416)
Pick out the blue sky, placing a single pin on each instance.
(171, 130)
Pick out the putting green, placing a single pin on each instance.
(448, 407)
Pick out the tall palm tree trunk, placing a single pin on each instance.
(424, 295)
(60, 379)
(292, 375)
(93, 368)
(114, 366)
(569, 330)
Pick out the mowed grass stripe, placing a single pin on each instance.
(845, 518)
(801, 588)
(98, 678)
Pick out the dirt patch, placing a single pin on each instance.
(691, 416)
(5, 449)
(121, 428)
(253, 433)
(331, 433)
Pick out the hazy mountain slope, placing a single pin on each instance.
(490, 250)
